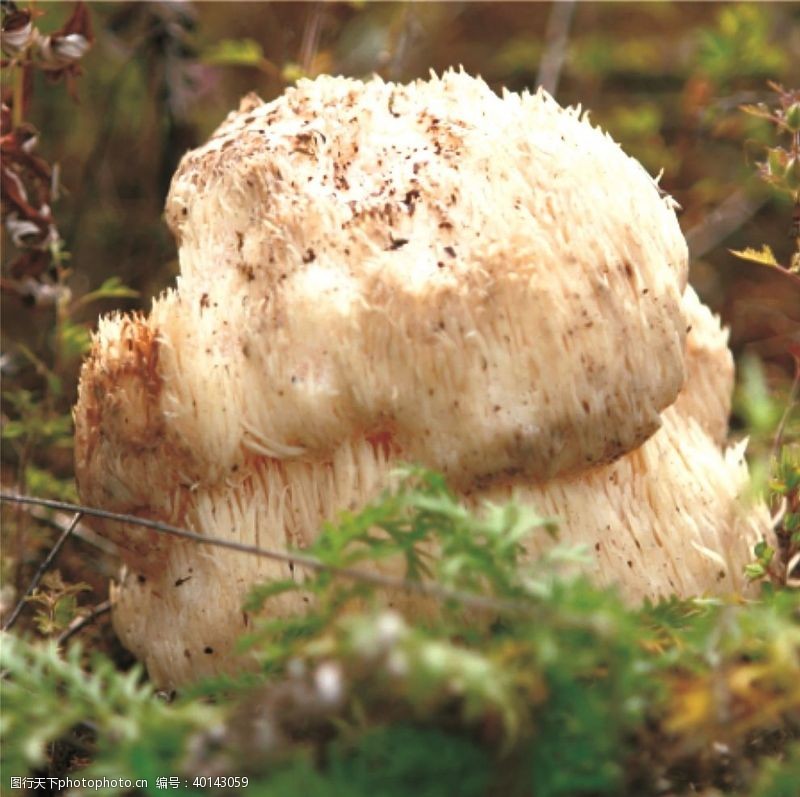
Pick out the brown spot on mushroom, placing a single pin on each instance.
(396, 243)
(411, 198)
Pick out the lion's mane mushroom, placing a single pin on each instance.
(671, 511)
(373, 272)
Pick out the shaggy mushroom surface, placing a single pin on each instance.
(373, 272)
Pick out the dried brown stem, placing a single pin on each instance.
(555, 49)
(43, 568)
(79, 623)
(724, 220)
(60, 521)
(297, 559)
(309, 44)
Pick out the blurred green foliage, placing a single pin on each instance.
(566, 691)
(740, 43)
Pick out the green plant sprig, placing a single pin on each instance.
(780, 169)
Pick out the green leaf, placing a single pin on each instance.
(74, 339)
(14, 430)
(292, 72)
(753, 401)
(42, 482)
(54, 385)
(260, 594)
(754, 571)
(112, 288)
(234, 52)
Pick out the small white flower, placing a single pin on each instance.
(328, 680)
(16, 39)
(71, 47)
(390, 627)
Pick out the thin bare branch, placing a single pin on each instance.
(725, 219)
(79, 623)
(60, 520)
(43, 568)
(405, 37)
(296, 559)
(555, 45)
(309, 45)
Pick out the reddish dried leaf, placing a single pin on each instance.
(32, 263)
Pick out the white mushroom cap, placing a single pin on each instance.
(426, 259)
(373, 273)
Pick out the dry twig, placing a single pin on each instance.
(43, 567)
(555, 48)
(79, 623)
(724, 220)
(296, 559)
